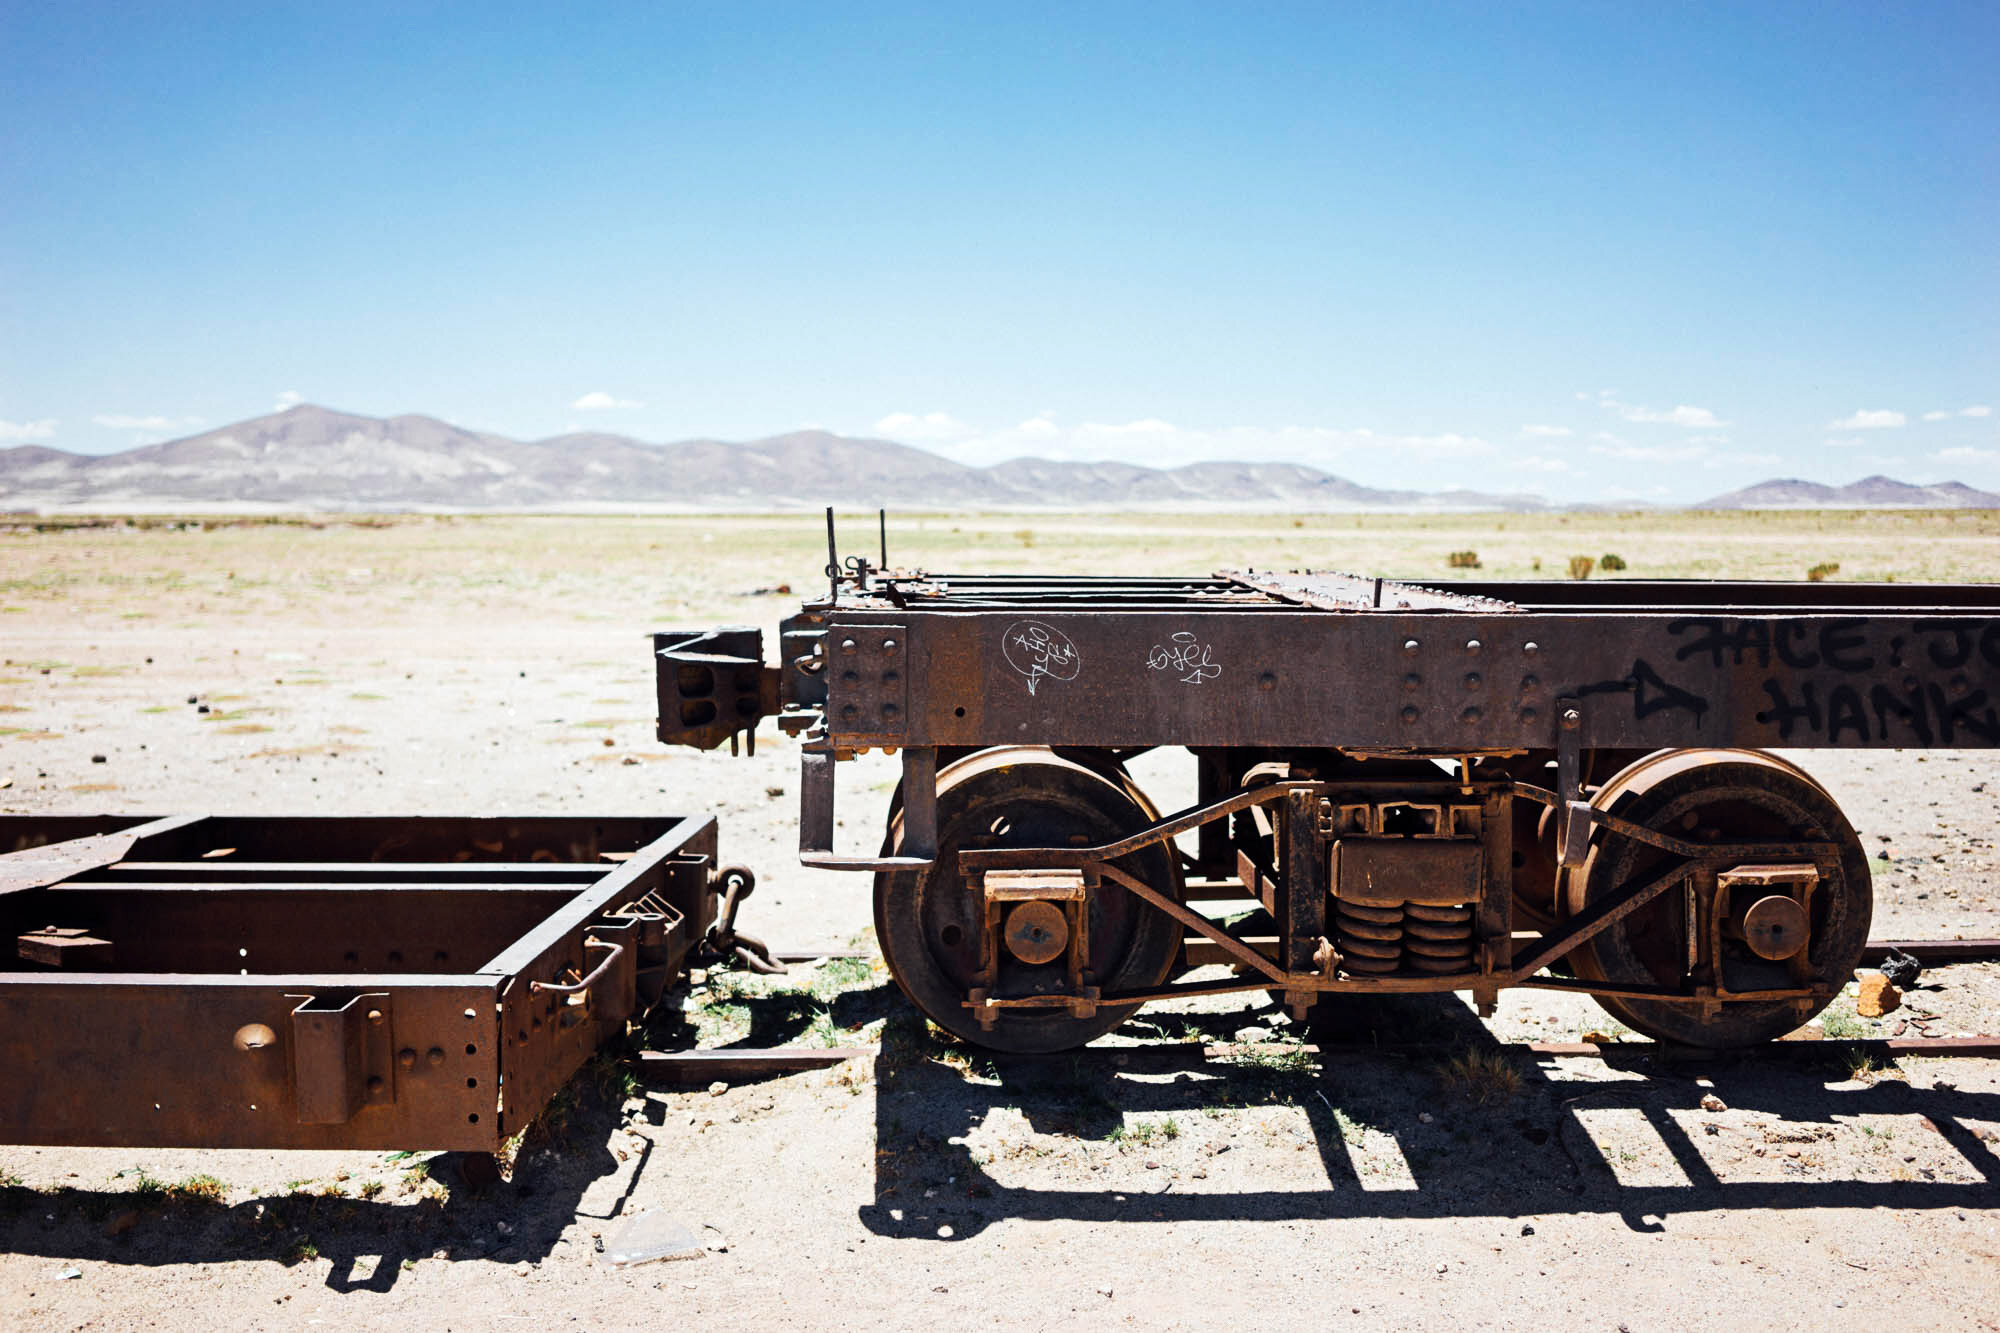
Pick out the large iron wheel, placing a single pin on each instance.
(927, 921)
(1716, 796)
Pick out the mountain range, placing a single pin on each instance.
(313, 457)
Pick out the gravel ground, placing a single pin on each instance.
(1130, 1184)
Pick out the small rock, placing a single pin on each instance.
(717, 1088)
(1876, 995)
(629, 759)
(1527, 1228)
(122, 1223)
(1250, 1035)
(608, 742)
(1444, 1268)
(98, 759)
(1596, 1038)
(69, 1273)
(1424, 1117)
(1711, 1102)
(1902, 969)
(1152, 1165)
(504, 1228)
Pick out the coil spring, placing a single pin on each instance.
(1377, 941)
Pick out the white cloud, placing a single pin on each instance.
(1684, 414)
(1965, 454)
(931, 427)
(1547, 432)
(1038, 426)
(1610, 446)
(1936, 416)
(28, 430)
(599, 401)
(1869, 419)
(287, 400)
(1538, 463)
(1976, 410)
(120, 421)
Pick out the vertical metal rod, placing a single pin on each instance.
(832, 559)
(882, 518)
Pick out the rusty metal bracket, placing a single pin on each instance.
(816, 797)
(342, 1056)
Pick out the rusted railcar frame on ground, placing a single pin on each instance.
(325, 982)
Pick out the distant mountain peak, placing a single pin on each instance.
(312, 456)
(1873, 492)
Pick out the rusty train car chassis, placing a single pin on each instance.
(1463, 787)
(196, 981)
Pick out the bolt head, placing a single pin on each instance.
(1472, 647)
(1472, 680)
(849, 646)
(1410, 647)
(1411, 714)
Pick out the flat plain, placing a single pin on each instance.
(461, 664)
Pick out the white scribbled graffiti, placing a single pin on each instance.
(1040, 652)
(1187, 658)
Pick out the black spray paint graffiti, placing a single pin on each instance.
(1650, 694)
(1924, 711)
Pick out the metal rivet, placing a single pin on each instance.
(1470, 715)
(1472, 681)
(407, 1058)
(1529, 715)
(849, 646)
(375, 1083)
(1411, 714)
(375, 1017)
(1571, 719)
(1531, 683)
(890, 710)
(850, 675)
(1531, 648)
(1268, 681)
(1412, 681)
(1410, 646)
(1472, 646)
(435, 1055)
(848, 712)
(888, 645)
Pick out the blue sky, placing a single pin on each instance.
(1597, 251)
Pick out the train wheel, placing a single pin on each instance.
(927, 922)
(1716, 796)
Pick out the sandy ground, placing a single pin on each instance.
(437, 668)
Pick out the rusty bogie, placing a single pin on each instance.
(1421, 789)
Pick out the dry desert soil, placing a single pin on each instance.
(448, 664)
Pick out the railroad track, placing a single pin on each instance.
(741, 1062)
